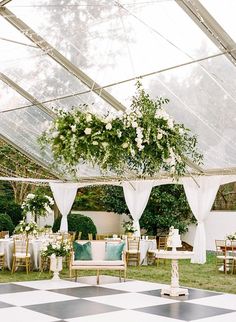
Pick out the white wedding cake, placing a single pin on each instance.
(173, 239)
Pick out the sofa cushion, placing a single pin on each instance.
(97, 263)
(113, 252)
(82, 251)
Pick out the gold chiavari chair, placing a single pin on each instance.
(161, 245)
(224, 258)
(90, 236)
(133, 250)
(21, 255)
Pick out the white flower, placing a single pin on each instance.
(95, 142)
(55, 134)
(73, 128)
(119, 133)
(62, 137)
(30, 196)
(170, 123)
(125, 145)
(161, 114)
(88, 131)
(27, 228)
(104, 144)
(139, 131)
(134, 124)
(159, 136)
(88, 117)
(181, 131)
(108, 126)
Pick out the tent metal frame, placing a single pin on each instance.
(195, 11)
(59, 58)
(30, 156)
(26, 95)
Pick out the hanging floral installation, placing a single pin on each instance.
(144, 139)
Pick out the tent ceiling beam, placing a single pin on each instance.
(194, 166)
(197, 12)
(29, 156)
(26, 95)
(59, 58)
(4, 2)
(32, 180)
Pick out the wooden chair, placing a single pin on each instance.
(233, 253)
(2, 260)
(44, 263)
(102, 236)
(90, 236)
(133, 250)
(21, 255)
(161, 245)
(4, 233)
(151, 253)
(224, 258)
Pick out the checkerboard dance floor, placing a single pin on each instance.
(48, 301)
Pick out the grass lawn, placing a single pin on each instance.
(203, 276)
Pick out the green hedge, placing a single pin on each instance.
(77, 222)
(12, 209)
(6, 223)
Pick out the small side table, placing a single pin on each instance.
(174, 289)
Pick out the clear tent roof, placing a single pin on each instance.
(59, 54)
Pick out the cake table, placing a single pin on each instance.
(174, 255)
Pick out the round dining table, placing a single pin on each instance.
(6, 246)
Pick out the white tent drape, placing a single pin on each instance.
(64, 195)
(201, 195)
(136, 196)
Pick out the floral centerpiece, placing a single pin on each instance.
(231, 236)
(58, 248)
(26, 228)
(37, 204)
(128, 227)
(144, 139)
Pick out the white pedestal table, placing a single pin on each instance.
(174, 289)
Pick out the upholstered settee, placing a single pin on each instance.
(98, 255)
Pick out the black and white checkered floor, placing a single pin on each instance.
(48, 301)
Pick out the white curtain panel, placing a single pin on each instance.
(64, 195)
(201, 193)
(136, 196)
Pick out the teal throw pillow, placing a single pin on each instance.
(82, 251)
(114, 251)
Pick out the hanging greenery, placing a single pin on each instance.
(144, 139)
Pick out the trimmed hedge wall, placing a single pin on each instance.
(77, 223)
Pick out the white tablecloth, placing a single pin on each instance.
(145, 245)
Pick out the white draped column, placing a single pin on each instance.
(136, 196)
(201, 196)
(64, 195)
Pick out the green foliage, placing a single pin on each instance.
(167, 206)
(89, 198)
(12, 209)
(145, 139)
(113, 200)
(6, 223)
(77, 222)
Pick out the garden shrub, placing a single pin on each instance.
(6, 223)
(77, 222)
(12, 209)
